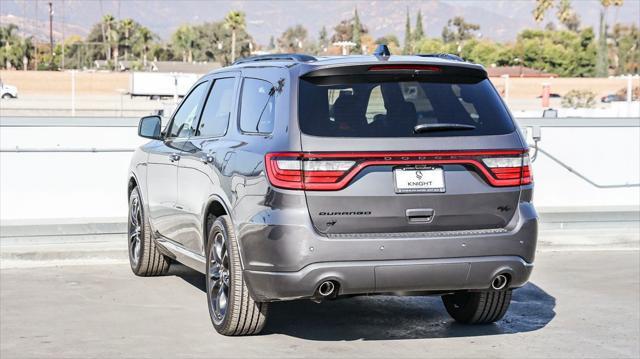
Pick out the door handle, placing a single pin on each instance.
(420, 215)
(174, 157)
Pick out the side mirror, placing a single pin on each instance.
(150, 127)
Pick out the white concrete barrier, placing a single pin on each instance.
(52, 187)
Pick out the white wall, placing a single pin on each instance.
(53, 186)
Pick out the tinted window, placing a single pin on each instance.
(257, 109)
(339, 107)
(185, 118)
(217, 109)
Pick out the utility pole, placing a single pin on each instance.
(35, 67)
(51, 32)
(63, 46)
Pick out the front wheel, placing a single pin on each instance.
(231, 308)
(477, 307)
(145, 259)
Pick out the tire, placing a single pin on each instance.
(477, 307)
(144, 257)
(232, 310)
(7, 96)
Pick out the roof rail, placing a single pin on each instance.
(443, 56)
(276, 57)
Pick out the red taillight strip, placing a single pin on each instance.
(336, 180)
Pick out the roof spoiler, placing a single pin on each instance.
(276, 57)
(401, 68)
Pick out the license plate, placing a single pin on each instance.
(412, 180)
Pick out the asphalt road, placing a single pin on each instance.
(578, 304)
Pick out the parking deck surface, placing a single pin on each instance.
(578, 304)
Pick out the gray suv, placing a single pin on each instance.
(286, 177)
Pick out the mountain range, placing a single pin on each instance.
(498, 19)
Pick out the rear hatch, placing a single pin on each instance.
(404, 148)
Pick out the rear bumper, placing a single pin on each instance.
(370, 277)
(285, 258)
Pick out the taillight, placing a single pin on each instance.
(330, 171)
(295, 171)
(510, 171)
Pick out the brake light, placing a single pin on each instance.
(330, 171)
(405, 68)
(294, 171)
(510, 171)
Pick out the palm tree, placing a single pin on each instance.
(107, 26)
(7, 39)
(143, 39)
(541, 8)
(127, 25)
(602, 60)
(234, 21)
(184, 39)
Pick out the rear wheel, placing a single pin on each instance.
(7, 96)
(144, 257)
(231, 308)
(477, 307)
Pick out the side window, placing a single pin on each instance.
(187, 116)
(257, 109)
(217, 109)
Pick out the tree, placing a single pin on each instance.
(418, 33)
(7, 39)
(184, 41)
(567, 16)
(234, 21)
(323, 39)
(565, 53)
(432, 46)
(626, 49)
(212, 43)
(15, 51)
(293, 39)
(272, 44)
(407, 35)
(127, 26)
(356, 33)
(602, 64)
(458, 30)
(109, 34)
(541, 8)
(144, 39)
(344, 30)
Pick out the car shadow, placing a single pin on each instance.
(382, 317)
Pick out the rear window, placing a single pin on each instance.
(360, 107)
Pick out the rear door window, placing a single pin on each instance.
(339, 107)
(257, 106)
(217, 109)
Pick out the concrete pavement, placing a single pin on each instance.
(578, 304)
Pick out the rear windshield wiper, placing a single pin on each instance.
(431, 127)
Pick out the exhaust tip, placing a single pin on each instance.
(326, 288)
(499, 282)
